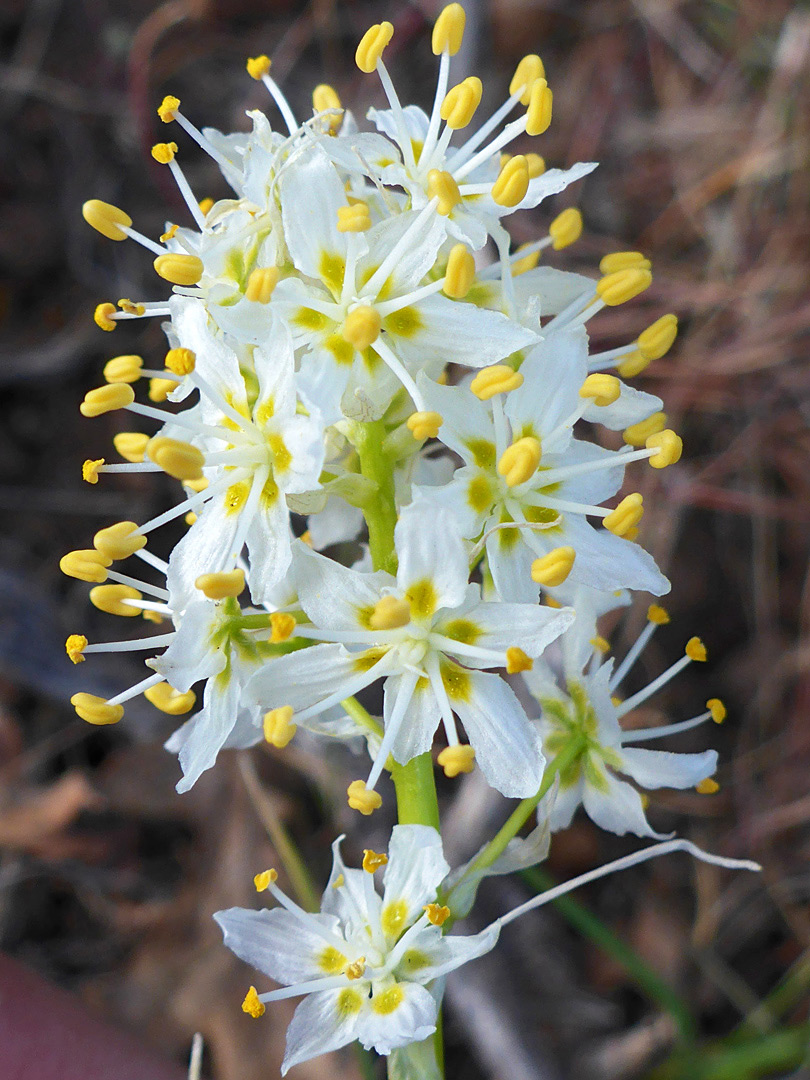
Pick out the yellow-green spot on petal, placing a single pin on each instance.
(308, 319)
(340, 348)
(388, 1001)
(366, 660)
(331, 960)
(235, 266)
(269, 492)
(413, 960)
(393, 918)
(349, 1002)
(282, 458)
(264, 412)
(541, 515)
(483, 452)
(507, 538)
(463, 630)
(364, 615)
(457, 682)
(236, 496)
(480, 495)
(482, 294)
(331, 270)
(404, 323)
(371, 359)
(422, 598)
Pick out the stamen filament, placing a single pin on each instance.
(349, 689)
(510, 132)
(194, 500)
(435, 115)
(392, 259)
(133, 691)
(645, 734)
(281, 101)
(144, 241)
(201, 140)
(656, 684)
(462, 154)
(141, 586)
(332, 982)
(188, 195)
(633, 653)
(134, 645)
(392, 727)
(399, 116)
(388, 357)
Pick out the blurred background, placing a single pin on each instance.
(700, 116)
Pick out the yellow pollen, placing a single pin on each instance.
(424, 425)
(169, 700)
(75, 646)
(361, 799)
(131, 308)
(637, 434)
(669, 447)
(603, 389)
(633, 364)
(498, 379)
(179, 459)
(517, 660)
(623, 260)
(442, 185)
(460, 103)
(205, 205)
(119, 541)
(324, 98)
(106, 399)
(306, 538)
(626, 515)
(456, 759)
(170, 232)
(357, 969)
(163, 152)
(437, 914)
(372, 861)
(528, 262)
(221, 585)
(460, 273)
(106, 219)
(85, 564)
(110, 598)
(717, 709)
(354, 218)
(131, 445)
(707, 787)
(448, 30)
(552, 569)
(513, 182)
(599, 643)
(696, 650)
(657, 339)
(623, 285)
(538, 115)
(389, 613)
(123, 369)
(258, 66)
(362, 326)
(179, 269)
(537, 166)
(266, 878)
(283, 625)
(251, 1005)
(90, 470)
(190, 517)
(180, 361)
(519, 461)
(277, 727)
(658, 615)
(261, 283)
(102, 316)
(372, 45)
(151, 616)
(528, 71)
(95, 710)
(167, 108)
(159, 389)
(552, 603)
(565, 228)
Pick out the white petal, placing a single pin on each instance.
(430, 549)
(418, 256)
(554, 289)
(619, 809)
(503, 625)
(631, 407)
(332, 595)
(452, 951)
(302, 679)
(412, 1021)
(415, 735)
(511, 565)
(416, 867)
(466, 421)
(553, 181)
(463, 334)
(206, 548)
(660, 768)
(310, 223)
(278, 943)
(189, 656)
(608, 562)
(319, 1025)
(337, 523)
(207, 732)
(553, 373)
(275, 370)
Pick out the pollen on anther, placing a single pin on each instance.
(373, 860)
(263, 880)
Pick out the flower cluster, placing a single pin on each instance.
(356, 354)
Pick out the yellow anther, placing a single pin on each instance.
(536, 166)
(190, 518)
(106, 219)
(153, 617)
(220, 585)
(603, 389)
(437, 914)
(528, 262)
(197, 485)
(180, 361)
(123, 369)
(86, 564)
(424, 425)
(707, 787)
(110, 598)
(538, 115)
(717, 709)
(306, 538)
(448, 30)
(513, 182)
(372, 46)
(565, 228)
(163, 152)
(517, 660)
(623, 260)
(251, 1005)
(460, 273)
(389, 613)
(168, 107)
(633, 364)
(362, 326)
(75, 646)
(366, 802)
(357, 969)
(102, 316)
(179, 459)
(519, 461)
(498, 379)
(169, 234)
(324, 98)
(552, 603)
(159, 389)
(90, 470)
(119, 541)
(179, 269)
(131, 445)
(623, 285)
(95, 710)
(669, 447)
(696, 650)
(205, 205)
(283, 626)
(354, 218)
(258, 66)
(460, 103)
(528, 71)
(456, 759)
(266, 878)
(277, 726)
(442, 185)
(169, 700)
(637, 434)
(129, 307)
(625, 516)
(372, 861)
(552, 569)
(599, 643)
(657, 614)
(657, 339)
(339, 881)
(261, 283)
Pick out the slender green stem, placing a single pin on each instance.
(362, 717)
(416, 792)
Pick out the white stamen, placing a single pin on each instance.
(133, 691)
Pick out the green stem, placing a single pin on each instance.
(362, 717)
(416, 792)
